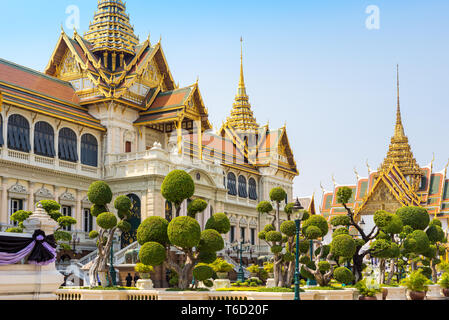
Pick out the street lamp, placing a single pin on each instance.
(239, 248)
(298, 210)
(75, 241)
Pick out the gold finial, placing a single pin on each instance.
(433, 159)
(62, 28)
(242, 78)
(369, 168)
(356, 173)
(399, 130)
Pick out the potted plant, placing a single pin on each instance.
(222, 268)
(269, 268)
(144, 270)
(254, 270)
(368, 289)
(417, 285)
(444, 284)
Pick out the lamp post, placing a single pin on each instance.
(239, 248)
(75, 241)
(298, 210)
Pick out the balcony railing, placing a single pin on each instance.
(49, 163)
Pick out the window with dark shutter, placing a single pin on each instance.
(243, 193)
(19, 133)
(232, 184)
(68, 146)
(1, 131)
(44, 140)
(89, 150)
(252, 189)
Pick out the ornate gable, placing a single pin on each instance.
(69, 68)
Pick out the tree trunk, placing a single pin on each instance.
(392, 269)
(278, 218)
(434, 271)
(277, 270)
(290, 273)
(382, 271)
(357, 267)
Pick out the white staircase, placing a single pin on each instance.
(228, 259)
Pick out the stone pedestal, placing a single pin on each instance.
(434, 293)
(222, 284)
(28, 281)
(270, 283)
(145, 284)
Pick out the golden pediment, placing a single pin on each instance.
(69, 67)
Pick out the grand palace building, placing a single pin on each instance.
(399, 181)
(107, 108)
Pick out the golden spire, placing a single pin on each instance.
(242, 118)
(399, 151)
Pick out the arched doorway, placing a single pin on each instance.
(135, 220)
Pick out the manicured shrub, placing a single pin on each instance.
(107, 220)
(62, 236)
(142, 268)
(304, 245)
(14, 230)
(93, 234)
(316, 221)
(202, 272)
(313, 232)
(324, 266)
(220, 265)
(262, 235)
(273, 236)
(436, 222)
(343, 275)
(343, 246)
(123, 203)
(66, 221)
(177, 186)
(208, 283)
(419, 240)
(342, 220)
(96, 210)
(207, 257)
(435, 233)
(219, 222)
(21, 215)
(325, 248)
(276, 249)
(389, 223)
(340, 231)
(415, 217)
(268, 228)
(99, 193)
(278, 194)
(124, 226)
(264, 207)
(211, 241)
(153, 229)
(196, 206)
(343, 195)
(288, 228)
(50, 205)
(184, 232)
(152, 254)
(288, 257)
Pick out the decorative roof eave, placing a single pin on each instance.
(292, 157)
(96, 63)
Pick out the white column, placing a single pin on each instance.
(30, 206)
(78, 208)
(4, 202)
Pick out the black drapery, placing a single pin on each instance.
(44, 140)
(89, 150)
(243, 193)
(19, 133)
(40, 249)
(68, 149)
(252, 189)
(232, 189)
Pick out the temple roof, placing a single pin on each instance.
(38, 92)
(111, 29)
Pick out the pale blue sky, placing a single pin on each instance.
(313, 65)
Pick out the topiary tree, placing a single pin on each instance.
(438, 240)
(52, 208)
(177, 186)
(195, 207)
(319, 265)
(100, 194)
(343, 196)
(157, 235)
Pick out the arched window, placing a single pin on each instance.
(252, 189)
(243, 193)
(168, 211)
(1, 131)
(89, 150)
(19, 133)
(44, 140)
(68, 146)
(232, 188)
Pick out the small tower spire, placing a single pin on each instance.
(242, 77)
(399, 130)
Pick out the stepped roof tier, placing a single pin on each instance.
(242, 117)
(111, 29)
